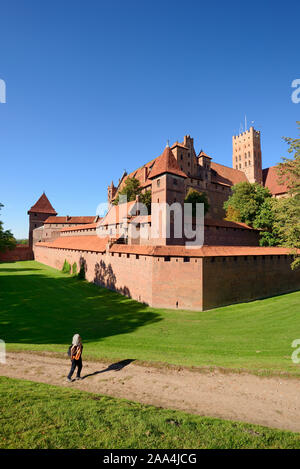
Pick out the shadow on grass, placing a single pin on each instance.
(44, 308)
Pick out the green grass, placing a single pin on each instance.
(34, 415)
(41, 308)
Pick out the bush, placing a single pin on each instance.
(66, 267)
(74, 268)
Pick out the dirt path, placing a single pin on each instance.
(273, 402)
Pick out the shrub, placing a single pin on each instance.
(74, 268)
(66, 267)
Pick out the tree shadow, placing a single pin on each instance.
(105, 277)
(113, 367)
(48, 307)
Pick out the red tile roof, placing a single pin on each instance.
(116, 213)
(202, 153)
(88, 226)
(166, 163)
(70, 220)
(224, 174)
(227, 224)
(96, 244)
(271, 181)
(205, 251)
(79, 243)
(42, 206)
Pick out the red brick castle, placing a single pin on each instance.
(120, 252)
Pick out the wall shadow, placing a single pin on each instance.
(43, 308)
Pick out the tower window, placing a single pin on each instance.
(158, 182)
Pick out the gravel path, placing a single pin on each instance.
(273, 402)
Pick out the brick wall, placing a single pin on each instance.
(194, 283)
(20, 253)
(234, 279)
(223, 236)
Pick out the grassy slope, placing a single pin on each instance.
(41, 308)
(75, 419)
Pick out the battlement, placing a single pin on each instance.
(249, 132)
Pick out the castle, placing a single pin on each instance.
(120, 251)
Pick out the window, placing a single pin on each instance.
(158, 182)
(181, 156)
(175, 182)
(186, 259)
(167, 258)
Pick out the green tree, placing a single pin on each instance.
(287, 210)
(131, 189)
(246, 202)
(289, 169)
(146, 198)
(252, 204)
(195, 197)
(74, 268)
(7, 241)
(66, 267)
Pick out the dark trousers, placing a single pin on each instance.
(75, 363)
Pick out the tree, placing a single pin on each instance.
(146, 199)
(287, 210)
(252, 204)
(289, 169)
(131, 189)
(246, 201)
(7, 241)
(195, 197)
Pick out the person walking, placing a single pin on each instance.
(76, 357)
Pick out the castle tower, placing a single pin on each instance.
(246, 154)
(167, 188)
(38, 213)
(111, 192)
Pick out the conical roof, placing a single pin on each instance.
(43, 206)
(166, 163)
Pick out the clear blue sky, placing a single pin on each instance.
(97, 87)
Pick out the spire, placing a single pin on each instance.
(166, 163)
(43, 206)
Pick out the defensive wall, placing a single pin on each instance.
(175, 276)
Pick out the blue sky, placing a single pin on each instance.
(97, 87)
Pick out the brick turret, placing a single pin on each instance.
(38, 213)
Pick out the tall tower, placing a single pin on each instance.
(38, 213)
(246, 154)
(167, 188)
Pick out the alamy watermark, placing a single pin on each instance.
(2, 352)
(295, 96)
(2, 91)
(296, 353)
(131, 221)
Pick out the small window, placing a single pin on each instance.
(158, 182)
(186, 259)
(167, 258)
(175, 182)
